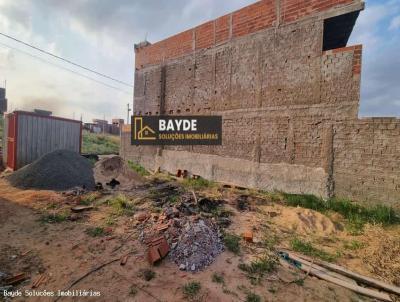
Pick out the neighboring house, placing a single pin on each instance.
(3, 101)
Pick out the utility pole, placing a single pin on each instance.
(128, 115)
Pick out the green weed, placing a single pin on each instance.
(353, 245)
(197, 184)
(88, 199)
(218, 278)
(232, 243)
(307, 248)
(96, 231)
(252, 297)
(191, 289)
(138, 168)
(257, 269)
(121, 205)
(53, 218)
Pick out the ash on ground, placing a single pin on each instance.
(199, 244)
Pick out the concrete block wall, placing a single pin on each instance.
(285, 102)
(367, 160)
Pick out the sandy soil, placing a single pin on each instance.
(64, 252)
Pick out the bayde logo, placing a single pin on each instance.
(176, 130)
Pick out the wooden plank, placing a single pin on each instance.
(360, 278)
(321, 273)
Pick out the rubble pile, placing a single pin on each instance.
(192, 234)
(58, 170)
(199, 244)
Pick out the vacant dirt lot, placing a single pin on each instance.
(41, 236)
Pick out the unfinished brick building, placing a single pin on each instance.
(287, 86)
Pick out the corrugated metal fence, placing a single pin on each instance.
(37, 135)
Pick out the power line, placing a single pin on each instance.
(66, 60)
(64, 68)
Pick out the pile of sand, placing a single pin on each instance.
(114, 167)
(58, 170)
(305, 221)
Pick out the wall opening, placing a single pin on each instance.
(337, 30)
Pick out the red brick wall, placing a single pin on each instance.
(250, 19)
(296, 9)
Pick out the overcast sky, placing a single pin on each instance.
(100, 34)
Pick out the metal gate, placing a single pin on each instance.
(12, 141)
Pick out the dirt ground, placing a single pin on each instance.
(64, 251)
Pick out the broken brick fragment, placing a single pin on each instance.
(153, 255)
(158, 249)
(248, 236)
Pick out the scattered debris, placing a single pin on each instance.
(242, 203)
(41, 279)
(13, 280)
(76, 191)
(79, 209)
(142, 217)
(209, 205)
(124, 260)
(248, 236)
(113, 183)
(58, 170)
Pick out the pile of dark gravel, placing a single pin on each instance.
(59, 170)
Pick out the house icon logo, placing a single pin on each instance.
(142, 132)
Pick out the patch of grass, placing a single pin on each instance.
(257, 269)
(232, 243)
(191, 289)
(133, 291)
(353, 245)
(148, 274)
(88, 199)
(110, 220)
(53, 217)
(96, 231)
(121, 205)
(305, 201)
(299, 282)
(173, 198)
(218, 278)
(252, 297)
(307, 248)
(268, 196)
(355, 227)
(356, 214)
(198, 183)
(270, 242)
(138, 168)
(100, 144)
(272, 290)
(52, 206)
